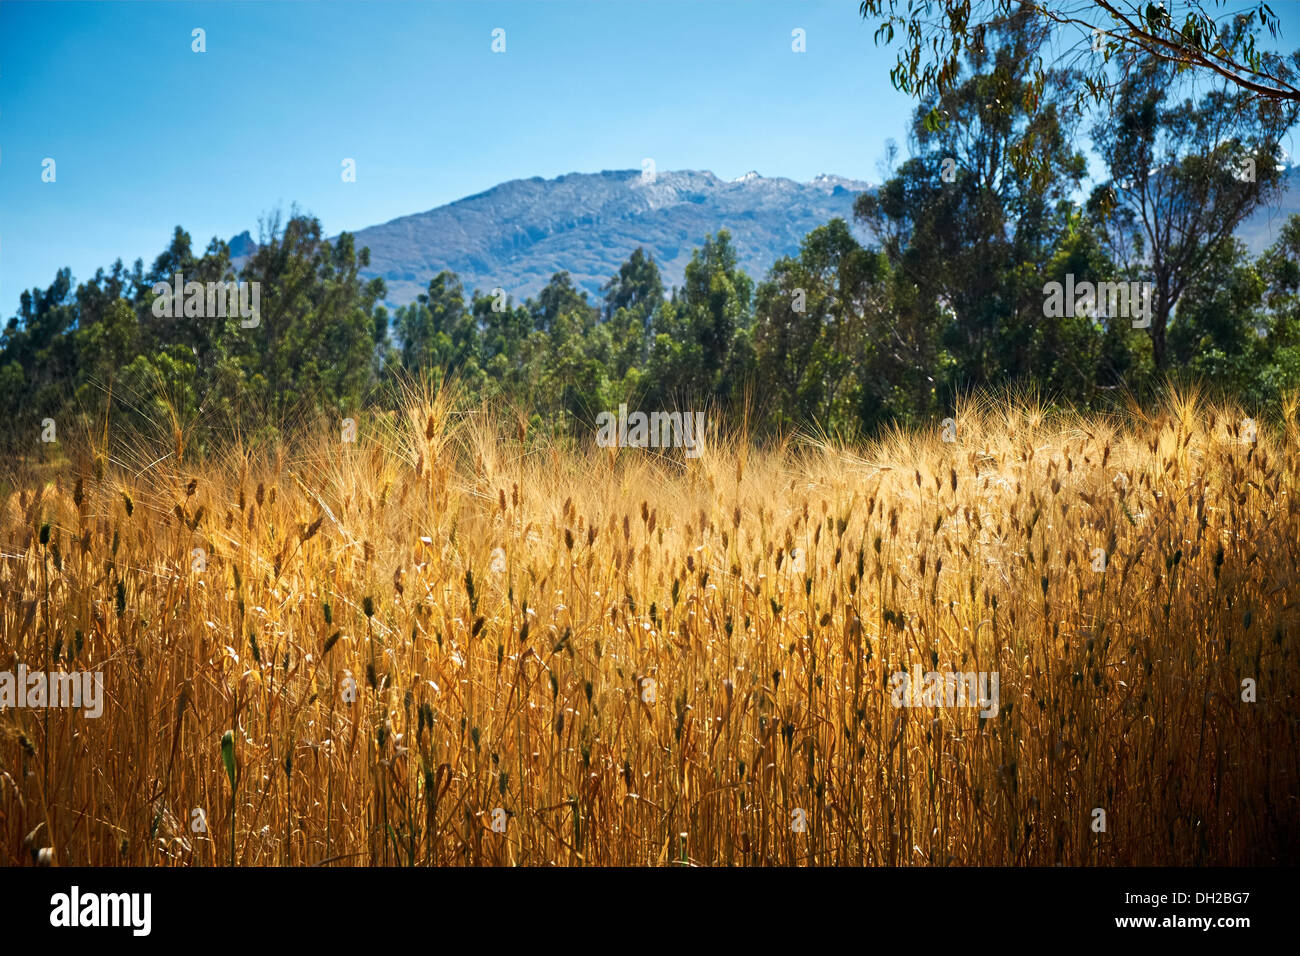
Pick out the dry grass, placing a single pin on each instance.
(516, 681)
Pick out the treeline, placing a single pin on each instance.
(947, 296)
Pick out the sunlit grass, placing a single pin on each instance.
(646, 659)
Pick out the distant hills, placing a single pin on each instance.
(1259, 231)
(517, 235)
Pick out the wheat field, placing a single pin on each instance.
(452, 643)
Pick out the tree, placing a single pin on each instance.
(436, 331)
(1279, 330)
(1183, 176)
(569, 351)
(505, 329)
(1107, 40)
(104, 347)
(701, 348)
(39, 356)
(968, 237)
(637, 285)
(1082, 355)
(632, 298)
(1217, 333)
(814, 329)
(314, 346)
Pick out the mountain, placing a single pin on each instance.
(517, 235)
(1260, 230)
(241, 247)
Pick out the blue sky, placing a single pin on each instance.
(148, 135)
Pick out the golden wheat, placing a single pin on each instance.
(389, 651)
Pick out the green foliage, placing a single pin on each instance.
(1105, 40)
(1183, 176)
(701, 345)
(819, 319)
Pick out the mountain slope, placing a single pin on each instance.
(517, 235)
(1260, 230)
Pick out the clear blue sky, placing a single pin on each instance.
(148, 135)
